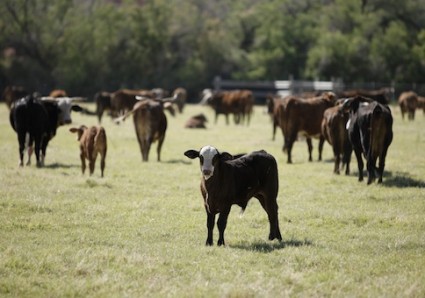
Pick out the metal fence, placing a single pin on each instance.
(261, 89)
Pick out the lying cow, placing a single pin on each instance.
(334, 130)
(36, 120)
(370, 133)
(408, 102)
(92, 143)
(150, 124)
(197, 121)
(304, 116)
(227, 181)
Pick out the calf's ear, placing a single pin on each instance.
(192, 154)
(73, 129)
(226, 156)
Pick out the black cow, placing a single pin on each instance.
(228, 180)
(36, 121)
(370, 133)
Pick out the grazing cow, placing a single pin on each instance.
(370, 133)
(36, 121)
(408, 102)
(103, 103)
(179, 97)
(150, 124)
(227, 181)
(13, 93)
(304, 116)
(335, 132)
(197, 121)
(92, 142)
(123, 100)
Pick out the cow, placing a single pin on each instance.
(123, 100)
(103, 103)
(227, 181)
(13, 93)
(334, 130)
(304, 116)
(35, 120)
(408, 102)
(370, 133)
(421, 103)
(93, 142)
(179, 96)
(237, 102)
(197, 121)
(150, 124)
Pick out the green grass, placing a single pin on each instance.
(140, 231)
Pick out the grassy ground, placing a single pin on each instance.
(140, 231)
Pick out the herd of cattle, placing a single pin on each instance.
(358, 121)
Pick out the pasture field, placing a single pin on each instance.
(141, 230)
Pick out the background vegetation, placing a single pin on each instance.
(140, 231)
(85, 46)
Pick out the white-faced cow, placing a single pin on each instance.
(370, 133)
(36, 120)
(227, 180)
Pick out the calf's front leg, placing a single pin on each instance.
(210, 226)
(221, 224)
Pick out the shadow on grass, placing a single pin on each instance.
(401, 179)
(265, 247)
(60, 166)
(176, 161)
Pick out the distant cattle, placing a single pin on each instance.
(36, 120)
(12, 94)
(421, 103)
(334, 130)
(58, 93)
(93, 142)
(150, 124)
(103, 103)
(179, 97)
(227, 180)
(370, 133)
(382, 95)
(123, 100)
(304, 117)
(197, 121)
(238, 103)
(408, 102)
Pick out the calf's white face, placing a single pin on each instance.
(206, 156)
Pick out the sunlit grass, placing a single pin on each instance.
(140, 231)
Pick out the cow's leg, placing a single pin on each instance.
(360, 164)
(337, 162)
(21, 140)
(321, 142)
(382, 164)
(210, 227)
(158, 149)
(221, 224)
(92, 163)
(102, 162)
(271, 208)
(310, 148)
(145, 150)
(83, 162)
(37, 148)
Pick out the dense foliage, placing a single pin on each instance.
(89, 45)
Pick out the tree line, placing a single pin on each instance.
(85, 46)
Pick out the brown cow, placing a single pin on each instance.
(150, 124)
(421, 103)
(12, 94)
(58, 93)
(179, 97)
(408, 102)
(305, 117)
(197, 121)
(123, 100)
(103, 103)
(92, 142)
(380, 95)
(335, 132)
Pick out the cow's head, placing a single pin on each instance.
(80, 130)
(209, 158)
(65, 105)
